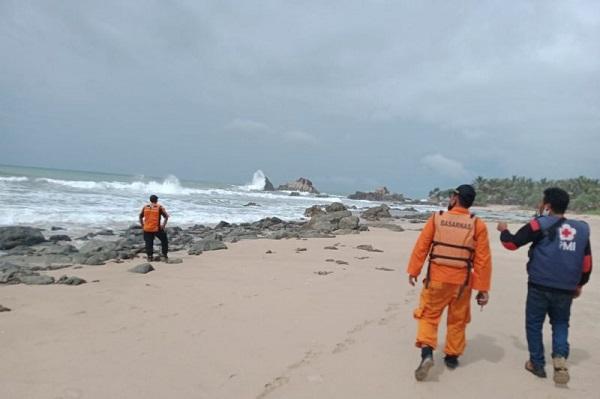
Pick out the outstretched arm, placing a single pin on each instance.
(524, 236)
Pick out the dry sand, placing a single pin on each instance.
(245, 324)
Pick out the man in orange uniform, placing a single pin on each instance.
(459, 260)
(150, 219)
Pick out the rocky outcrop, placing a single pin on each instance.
(268, 185)
(377, 213)
(335, 218)
(13, 236)
(302, 184)
(380, 194)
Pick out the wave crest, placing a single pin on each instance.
(170, 185)
(13, 178)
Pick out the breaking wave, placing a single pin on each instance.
(14, 178)
(170, 185)
(258, 182)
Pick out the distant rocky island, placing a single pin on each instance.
(380, 194)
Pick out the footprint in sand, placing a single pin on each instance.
(343, 346)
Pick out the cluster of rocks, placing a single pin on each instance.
(302, 184)
(27, 251)
(380, 194)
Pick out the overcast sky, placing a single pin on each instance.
(350, 94)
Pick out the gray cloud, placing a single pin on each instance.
(363, 92)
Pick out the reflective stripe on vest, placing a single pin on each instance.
(454, 240)
(152, 218)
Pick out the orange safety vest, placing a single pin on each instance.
(453, 242)
(454, 239)
(152, 218)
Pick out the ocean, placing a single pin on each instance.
(84, 201)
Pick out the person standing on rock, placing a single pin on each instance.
(560, 264)
(150, 219)
(459, 261)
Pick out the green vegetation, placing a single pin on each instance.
(522, 191)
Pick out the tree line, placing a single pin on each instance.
(526, 192)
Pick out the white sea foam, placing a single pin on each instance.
(258, 182)
(169, 185)
(13, 178)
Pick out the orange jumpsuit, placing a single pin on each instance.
(444, 286)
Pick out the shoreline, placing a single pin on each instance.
(244, 323)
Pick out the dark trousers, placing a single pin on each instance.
(149, 239)
(555, 304)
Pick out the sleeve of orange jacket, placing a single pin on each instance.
(482, 264)
(421, 249)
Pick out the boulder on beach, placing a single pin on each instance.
(376, 213)
(142, 268)
(73, 280)
(206, 245)
(302, 184)
(13, 236)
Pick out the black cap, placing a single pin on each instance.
(467, 194)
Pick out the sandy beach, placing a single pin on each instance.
(241, 323)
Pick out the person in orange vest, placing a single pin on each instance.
(458, 247)
(150, 219)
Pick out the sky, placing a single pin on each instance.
(350, 94)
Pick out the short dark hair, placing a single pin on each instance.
(557, 198)
(466, 195)
(153, 199)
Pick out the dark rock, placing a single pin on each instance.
(388, 226)
(55, 228)
(268, 185)
(376, 213)
(335, 207)
(142, 268)
(12, 236)
(73, 280)
(59, 237)
(323, 272)
(301, 184)
(368, 248)
(331, 247)
(36, 280)
(348, 223)
(294, 194)
(300, 249)
(269, 252)
(313, 210)
(341, 262)
(222, 224)
(326, 221)
(4, 309)
(206, 245)
(251, 204)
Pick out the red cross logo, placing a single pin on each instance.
(567, 233)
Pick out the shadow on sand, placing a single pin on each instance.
(482, 347)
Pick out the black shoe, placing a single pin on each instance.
(149, 258)
(451, 361)
(538, 371)
(426, 363)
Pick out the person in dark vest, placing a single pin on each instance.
(150, 219)
(459, 261)
(560, 264)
